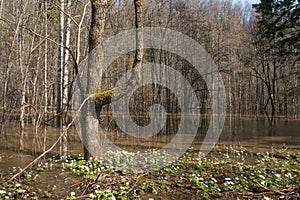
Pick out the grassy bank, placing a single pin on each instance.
(229, 172)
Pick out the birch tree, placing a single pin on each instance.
(60, 63)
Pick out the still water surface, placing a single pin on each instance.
(17, 149)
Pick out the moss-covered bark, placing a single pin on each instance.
(103, 98)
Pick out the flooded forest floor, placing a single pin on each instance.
(228, 172)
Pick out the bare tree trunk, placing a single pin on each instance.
(61, 53)
(135, 76)
(65, 81)
(35, 113)
(138, 6)
(10, 65)
(99, 11)
(24, 68)
(24, 73)
(229, 96)
(45, 76)
(60, 65)
(24, 76)
(1, 7)
(66, 58)
(79, 33)
(3, 113)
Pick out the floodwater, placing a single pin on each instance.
(19, 148)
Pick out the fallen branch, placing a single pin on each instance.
(83, 196)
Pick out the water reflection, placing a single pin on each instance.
(19, 146)
(259, 130)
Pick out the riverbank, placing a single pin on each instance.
(229, 172)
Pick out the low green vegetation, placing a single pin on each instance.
(230, 172)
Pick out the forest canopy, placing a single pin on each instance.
(256, 50)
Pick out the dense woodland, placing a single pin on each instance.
(255, 47)
(44, 47)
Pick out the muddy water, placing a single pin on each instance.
(17, 149)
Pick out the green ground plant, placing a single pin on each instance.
(230, 172)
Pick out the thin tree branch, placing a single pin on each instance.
(54, 144)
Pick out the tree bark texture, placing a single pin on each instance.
(96, 34)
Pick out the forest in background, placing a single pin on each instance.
(256, 50)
